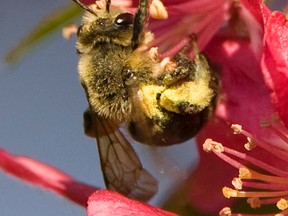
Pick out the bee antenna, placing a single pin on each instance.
(108, 2)
(84, 6)
(140, 19)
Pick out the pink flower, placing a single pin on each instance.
(254, 85)
(249, 46)
(101, 202)
(104, 202)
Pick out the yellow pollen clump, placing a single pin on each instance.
(210, 145)
(153, 54)
(198, 94)
(236, 128)
(228, 192)
(237, 183)
(282, 204)
(244, 173)
(69, 30)
(147, 95)
(250, 144)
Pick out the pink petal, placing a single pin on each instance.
(275, 59)
(251, 16)
(244, 96)
(254, 7)
(40, 174)
(104, 202)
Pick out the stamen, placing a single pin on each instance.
(225, 212)
(269, 184)
(270, 201)
(256, 162)
(282, 204)
(237, 183)
(245, 173)
(265, 186)
(210, 145)
(217, 148)
(277, 149)
(153, 54)
(250, 144)
(254, 202)
(100, 4)
(69, 30)
(229, 192)
(237, 129)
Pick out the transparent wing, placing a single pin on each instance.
(120, 164)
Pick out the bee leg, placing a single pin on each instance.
(181, 66)
(180, 70)
(89, 124)
(189, 85)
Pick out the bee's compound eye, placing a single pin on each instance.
(124, 19)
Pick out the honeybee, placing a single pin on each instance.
(160, 104)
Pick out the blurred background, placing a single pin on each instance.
(41, 106)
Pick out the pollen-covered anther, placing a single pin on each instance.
(250, 144)
(225, 212)
(210, 145)
(282, 204)
(237, 183)
(153, 54)
(245, 173)
(99, 5)
(254, 202)
(167, 65)
(237, 129)
(157, 10)
(69, 30)
(229, 192)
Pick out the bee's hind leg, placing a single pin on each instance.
(182, 66)
(188, 82)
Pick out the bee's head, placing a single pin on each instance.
(104, 26)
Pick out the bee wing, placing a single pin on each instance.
(120, 164)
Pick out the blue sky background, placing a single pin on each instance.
(41, 106)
